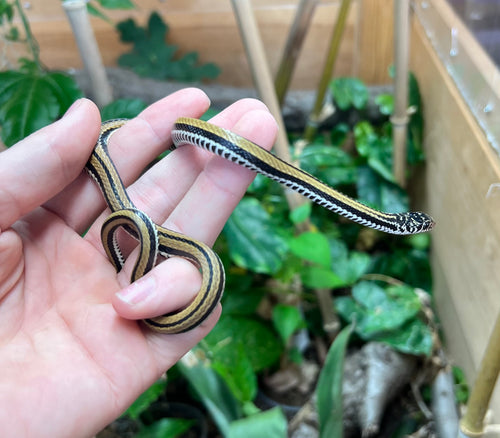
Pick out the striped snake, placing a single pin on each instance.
(156, 240)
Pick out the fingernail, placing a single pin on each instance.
(73, 107)
(138, 292)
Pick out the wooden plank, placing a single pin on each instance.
(461, 166)
(210, 29)
(376, 35)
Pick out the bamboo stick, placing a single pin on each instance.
(400, 117)
(263, 81)
(315, 116)
(293, 46)
(472, 423)
(76, 10)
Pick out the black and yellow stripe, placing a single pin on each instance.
(247, 154)
(155, 240)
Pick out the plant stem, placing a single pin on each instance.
(471, 424)
(30, 39)
(336, 38)
(293, 46)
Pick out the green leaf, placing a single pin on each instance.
(408, 264)
(31, 99)
(376, 148)
(387, 315)
(270, 424)
(146, 398)
(379, 193)
(329, 388)
(122, 108)
(116, 4)
(287, 320)
(259, 342)
(301, 213)
(166, 428)
(414, 337)
(152, 57)
(348, 266)
(385, 103)
(254, 242)
(349, 92)
(239, 375)
(318, 277)
(313, 247)
(329, 163)
(213, 393)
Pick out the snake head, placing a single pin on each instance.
(416, 222)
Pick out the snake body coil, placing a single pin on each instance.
(155, 239)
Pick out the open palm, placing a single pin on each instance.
(72, 356)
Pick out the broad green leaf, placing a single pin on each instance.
(388, 315)
(381, 194)
(348, 266)
(329, 163)
(31, 99)
(318, 277)
(146, 398)
(349, 92)
(258, 340)
(166, 428)
(311, 246)
(238, 375)
(376, 148)
(122, 108)
(254, 242)
(213, 393)
(385, 103)
(408, 264)
(414, 337)
(301, 213)
(329, 388)
(151, 56)
(287, 320)
(270, 424)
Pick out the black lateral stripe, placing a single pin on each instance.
(276, 174)
(205, 296)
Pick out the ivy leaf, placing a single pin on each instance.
(254, 242)
(31, 99)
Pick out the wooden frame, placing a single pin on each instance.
(461, 167)
(209, 27)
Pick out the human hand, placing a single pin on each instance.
(72, 356)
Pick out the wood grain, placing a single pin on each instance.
(209, 28)
(461, 166)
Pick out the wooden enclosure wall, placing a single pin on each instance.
(461, 166)
(209, 27)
